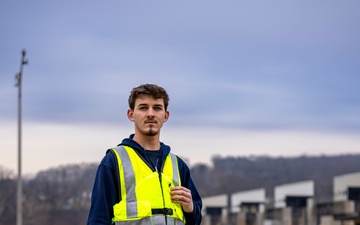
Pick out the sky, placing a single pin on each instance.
(245, 78)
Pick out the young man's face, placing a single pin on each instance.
(149, 115)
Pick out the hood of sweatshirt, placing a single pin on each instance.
(164, 150)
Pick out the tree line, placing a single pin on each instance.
(61, 195)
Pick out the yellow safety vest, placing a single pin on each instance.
(145, 194)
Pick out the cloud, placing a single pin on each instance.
(48, 145)
(255, 66)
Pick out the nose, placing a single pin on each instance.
(150, 113)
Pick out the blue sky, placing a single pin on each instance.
(244, 78)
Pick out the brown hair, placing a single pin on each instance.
(152, 90)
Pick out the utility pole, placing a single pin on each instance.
(19, 180)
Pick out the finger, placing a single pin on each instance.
(184, 198)
(180, 190)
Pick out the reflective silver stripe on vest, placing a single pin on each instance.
(175, 169)
(153, 220)
(131, 209)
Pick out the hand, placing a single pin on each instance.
(182, 196)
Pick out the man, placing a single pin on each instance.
(140, 181)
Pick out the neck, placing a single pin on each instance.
(148, 142)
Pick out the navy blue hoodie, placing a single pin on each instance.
(106, 194)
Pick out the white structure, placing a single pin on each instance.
(216, 201)
(342, 183)
(303, 188)
(250, 196)
(215, 208)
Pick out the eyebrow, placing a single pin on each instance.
(159, 105)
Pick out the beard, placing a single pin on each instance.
(151, 132)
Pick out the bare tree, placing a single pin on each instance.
(7, 196)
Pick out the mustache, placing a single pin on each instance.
(150, 121)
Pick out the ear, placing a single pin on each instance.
(130, 115)
(167, 115)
